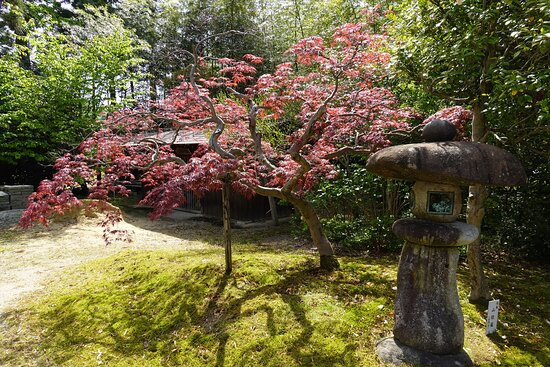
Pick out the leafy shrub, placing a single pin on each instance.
(518, 220)
(361, 234)
(357, 210)
(357, 193)
(355, 235)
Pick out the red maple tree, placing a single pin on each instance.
(274, 135)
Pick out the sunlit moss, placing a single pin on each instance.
(177, 308)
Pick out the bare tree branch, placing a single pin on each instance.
(294, 150)
(256, 137)
(268, 191)
(220, 125)
(358, 150)
(305, 166)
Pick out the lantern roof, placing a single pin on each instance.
(449, 162)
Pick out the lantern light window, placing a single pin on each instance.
(440, 202)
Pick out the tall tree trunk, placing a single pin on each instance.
(112, 94)
(298, 19)
(132, 90)
(479, 290)
(327, 259)
(153, 90)
(15, 20)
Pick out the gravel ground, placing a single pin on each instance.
(28, 257)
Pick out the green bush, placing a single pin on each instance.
(361, 234)
(357, 210)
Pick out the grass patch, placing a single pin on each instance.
(8, 235)
(176, 308)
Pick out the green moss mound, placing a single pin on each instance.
(177, 308)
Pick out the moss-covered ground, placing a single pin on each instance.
(177, 308)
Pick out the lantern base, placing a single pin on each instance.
(391, 351)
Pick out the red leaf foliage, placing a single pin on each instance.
(330, 98)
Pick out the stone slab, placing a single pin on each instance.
(429, 233)
(453, 163)
(17, 188)
(392, 351)
(19, 197)
(19, 205)
(4, 201)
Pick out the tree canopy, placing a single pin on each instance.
(492, 57)
(330, 106)
(317, 98)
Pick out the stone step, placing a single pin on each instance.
(14, 196)
(17, 189)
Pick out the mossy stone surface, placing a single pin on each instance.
(453, 162)
(427, 309)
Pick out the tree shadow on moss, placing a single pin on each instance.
(141, 310)
(524, 294)
(228, 312)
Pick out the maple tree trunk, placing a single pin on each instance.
(227, 228)
(273, 210)
(327, 259)
(479, 289)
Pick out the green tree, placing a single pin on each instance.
(14, 15)
(75, 77)
(492, 56)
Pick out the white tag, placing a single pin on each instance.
(492, 316)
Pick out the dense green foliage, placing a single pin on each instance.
(488, 52)
(358, 209)
(57, 102)
(516, 218)
(493, 57)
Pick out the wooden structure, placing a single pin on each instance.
(254, 209)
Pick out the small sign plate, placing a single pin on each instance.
(492, 316)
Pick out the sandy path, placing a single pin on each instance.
(28, 257)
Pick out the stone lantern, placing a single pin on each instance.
(429, 326)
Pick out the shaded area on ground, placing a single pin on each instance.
(176, 307)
